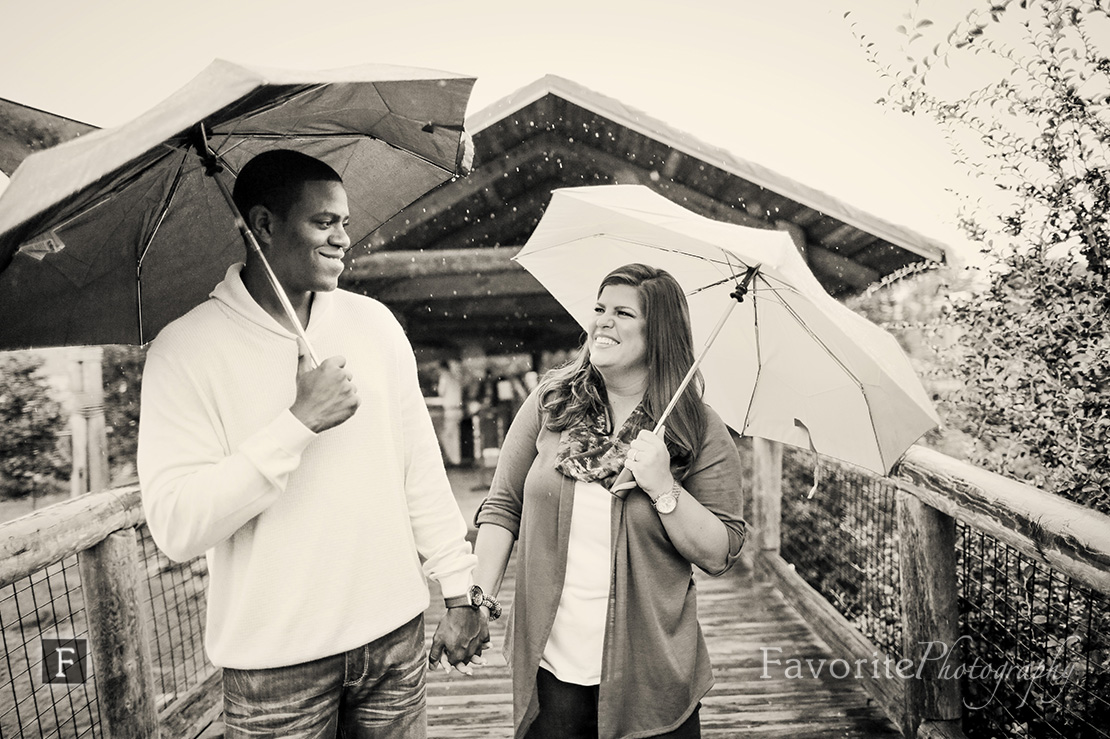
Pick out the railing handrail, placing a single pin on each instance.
(39, 539)
(1069, 537)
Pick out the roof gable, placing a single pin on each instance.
(444, 262)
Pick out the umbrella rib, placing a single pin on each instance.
(105, 197)
(277, 102)
(758, 354)
(670, 250)
(323, 136)
(166, 203)
(817, 339)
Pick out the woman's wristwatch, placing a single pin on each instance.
(668, 501)
(475, 599)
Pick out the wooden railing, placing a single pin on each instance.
(933, 493)
(101, 528)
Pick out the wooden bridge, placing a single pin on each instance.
(739, 616)
(793, 654)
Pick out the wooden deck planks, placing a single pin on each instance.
(739, 616)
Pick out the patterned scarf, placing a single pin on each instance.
(588, 453)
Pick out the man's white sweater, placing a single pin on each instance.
(314, 541)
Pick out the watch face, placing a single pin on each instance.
(666, 503)
(475, 594)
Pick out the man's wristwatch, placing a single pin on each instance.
(667, 502)
(475, 599)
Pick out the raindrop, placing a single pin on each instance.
(654, 176)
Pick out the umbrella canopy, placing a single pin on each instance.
(107, 238)
(790, 363)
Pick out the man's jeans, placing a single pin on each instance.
(376, 691)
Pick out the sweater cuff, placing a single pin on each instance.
(290, 434)
(456, 584)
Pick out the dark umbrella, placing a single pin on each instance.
(107, 238)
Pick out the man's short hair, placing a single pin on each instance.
(274, 179)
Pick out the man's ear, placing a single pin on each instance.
(260, 220)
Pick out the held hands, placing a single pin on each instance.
(459, 640)
(650, 463)
(325, 395)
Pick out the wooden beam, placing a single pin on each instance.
(431, 288)
(397, 265)
(1064, 535)
(118, 636)
(483, 176)
(540, 152)
(536, 307)
(514, 222)
(767, 495)
(841, 268)
(682, 194)
(930, 617)
(31, 542)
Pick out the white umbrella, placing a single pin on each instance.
(790, 363)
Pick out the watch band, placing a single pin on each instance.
(479, 599)
(457, 602)
(475, 599)
(668, 501)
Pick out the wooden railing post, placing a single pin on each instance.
(119, 646)
(90, 447)
(930, 620)
(765, 514)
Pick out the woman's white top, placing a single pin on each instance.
(573, 651)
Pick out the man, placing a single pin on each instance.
(315, 492)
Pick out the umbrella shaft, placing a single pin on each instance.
(620, 486)
(694, 367)
(252, 244)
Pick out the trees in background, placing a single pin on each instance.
(123, 372)
(1030, 351)
(31, 422)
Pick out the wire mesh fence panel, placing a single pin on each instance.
(176, 592)
(46, 689)
(1037, 646)
(843, 542)
(45, 611)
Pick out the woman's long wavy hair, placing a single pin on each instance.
(576, 391)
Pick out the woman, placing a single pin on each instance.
(604, 640)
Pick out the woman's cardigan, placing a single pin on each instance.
(655, 666)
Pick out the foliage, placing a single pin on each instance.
(123, 371)
(1032, 353)
(30, 423)
(1022, 377)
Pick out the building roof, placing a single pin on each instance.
(444, 264)
(25, 130)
